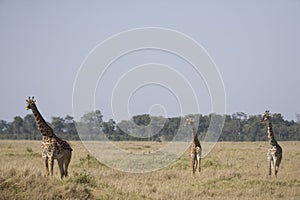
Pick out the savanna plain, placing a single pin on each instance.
(232, 170)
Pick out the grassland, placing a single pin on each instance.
(231, 170)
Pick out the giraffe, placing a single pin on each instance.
(195, 148)
(274, 151)
(52, 146)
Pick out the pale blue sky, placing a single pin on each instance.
(255, 45)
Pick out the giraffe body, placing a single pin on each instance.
(195, 149)
(274, 153)
(52, 146)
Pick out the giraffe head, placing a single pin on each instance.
(189, 121)
(266, 116)
(30, 102)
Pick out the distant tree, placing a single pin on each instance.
(237, 122)
(109, 127)
(170, 129)
(237, 127)
(3, 126)
(29, 127)
(122, 127)
(90, 124)
(298, 117)
(17, 125)
(58, 125)
(239, 115)
(216, 122)
(203, 124)
(70, 127)
(277, 118)
(142, 120)
(231, 129)
(92, 118)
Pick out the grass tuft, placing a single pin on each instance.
(29, 150)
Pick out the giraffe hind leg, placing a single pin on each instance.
(47, 166)
(60, 163)
(275, 166)
(199, 165)
(195, 164)
(198, 155)
(278, 163)
(67, 159)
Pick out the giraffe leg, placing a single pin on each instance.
(47, 166)
(270, 166)
(199, 159)
(67, 159)
(193, 163)
(199, 165)
(60, 162)
(51, 165)
(278, 161)
(275, 166)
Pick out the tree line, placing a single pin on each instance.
(91, 126)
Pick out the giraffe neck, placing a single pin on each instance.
(195, 138)
(271, 138)
(42, 125)
(193, 132)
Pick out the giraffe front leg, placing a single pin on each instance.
(193, 164)
(199, 159)
(269, 166)
(46, 166)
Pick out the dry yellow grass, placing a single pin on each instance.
(230, 171)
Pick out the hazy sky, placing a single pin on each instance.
(255, 45)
